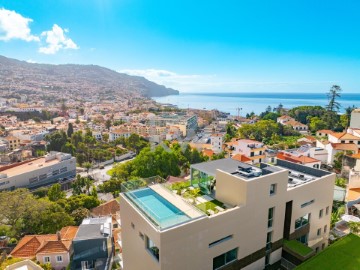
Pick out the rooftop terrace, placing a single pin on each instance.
(298, 174)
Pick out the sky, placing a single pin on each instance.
(195, 46)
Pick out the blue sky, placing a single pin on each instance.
(227, 46)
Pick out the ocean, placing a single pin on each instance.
(254, 102)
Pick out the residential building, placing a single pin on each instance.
(110, 208)
(323, 132)
(252, 149)
(287, 120)
(261, 208)
(93, 244)
(37, 172)
(355, 119)
(55, 249)
(299, 159)
(217, 140)
(13, 142)
(344, 138)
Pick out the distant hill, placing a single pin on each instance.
(84, 79)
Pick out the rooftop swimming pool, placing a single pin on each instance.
(159, 210)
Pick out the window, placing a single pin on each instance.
(303, 239)
(267, 259)
(325, 228)
(320, 213)
(154, 250)
(351, 141)
(268, 240)
(272, 189)
(302, 221)
(225, 258)
(307, 203)
(59, 258)
(342, 141)
(46, 259)
(327, 210)
(220, 240)
(317, 250)
(318, 232)
(270, 217)
(33, 180)
(87, 265)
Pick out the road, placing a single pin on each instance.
(99, 175)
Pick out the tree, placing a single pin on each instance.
(15, 206)
(334, 92)
(55, 193)
(87, 166)
(105, 137)
(108, 124)
(340, 182)
(354, 227)
(79, 214)
(50, 219)
(78, 201)
(338, 160)
(70, 130)
(317, 124)
(56, 141)
(68, 148)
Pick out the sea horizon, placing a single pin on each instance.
(256, 102)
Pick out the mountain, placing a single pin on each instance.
(83, 79)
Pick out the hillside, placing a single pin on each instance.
(83, 79)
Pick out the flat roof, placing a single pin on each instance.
(298, 174)
(226, 164)
(30, 166)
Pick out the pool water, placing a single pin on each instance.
(162, 212)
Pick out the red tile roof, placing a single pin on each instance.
(30, 245)
(241, 157)
(106, 209)
(296, 159)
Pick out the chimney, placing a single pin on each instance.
(58, 235)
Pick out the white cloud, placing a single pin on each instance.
(31, 61)
(56, 40)
(15, 26)
(169, 78)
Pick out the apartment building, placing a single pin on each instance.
(262, 208)
(252, 149)
(217, 140)
(13, 142)
(37, 172)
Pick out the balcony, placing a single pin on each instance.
(296, 251)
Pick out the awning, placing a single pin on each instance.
(350, 218)
(357, 206)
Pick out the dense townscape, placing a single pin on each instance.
(99, 181)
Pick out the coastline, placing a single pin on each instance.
(257, 102)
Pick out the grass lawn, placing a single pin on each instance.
(343, 254)
(298, 247)
(210, 205)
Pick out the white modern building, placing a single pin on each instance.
(217, 140)
(37, 172)
(261, 213)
